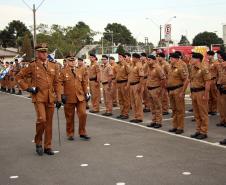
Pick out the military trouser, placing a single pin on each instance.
(124, 98)
(69, 111)
(146, 99)
(178, 108)
(165, 100)
(156, 105)
(213, 97)
(200, 110)
(107, 92)
(136, 101)
(95, 95)
(44, 112)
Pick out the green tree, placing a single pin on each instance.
(121, 34)
(12, 35)
(184, 41)
(65, 39)
(26, 46)
(206, 39)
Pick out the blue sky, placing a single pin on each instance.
(192, 16)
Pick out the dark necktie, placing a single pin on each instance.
(73, 71)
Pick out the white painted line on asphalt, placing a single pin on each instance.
(120, 183)
(157, 130)
(148, 128)
(84, 165)
(139, 156)
(14, 177)
(107, 144)
(56, 152)
(186, 173)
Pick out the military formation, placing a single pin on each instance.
(137, 84)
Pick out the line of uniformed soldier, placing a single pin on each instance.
(138, 82)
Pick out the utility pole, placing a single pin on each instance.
(34, 26)
(34, 10)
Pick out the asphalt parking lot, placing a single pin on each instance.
(119, 153)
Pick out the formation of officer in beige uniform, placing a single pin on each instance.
(137, 83)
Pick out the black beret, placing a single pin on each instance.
(93, 55)
(143, 54)
(175, 55)
(128, 54)
(197, 56)
(11, 62)
(152, 57)
(80, 59)
(161, 55)
(105, 56)
(179, 53)
(223, 55)
(121, 54)
(112, 58)
(135, 55)
(211, 53)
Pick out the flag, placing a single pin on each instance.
(51, 56)
(4, 72)
(20, 58)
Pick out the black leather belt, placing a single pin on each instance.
(197, 89)
(146, 77)
(104, 83)
(152, 88)
(134, 83)
(174, 87)
(121, 81)
(214, 78)
(93, 79)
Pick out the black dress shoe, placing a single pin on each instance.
(195, 135)
(39, 150)
(179, 131)
(157, 125)
(165, 113)
(93, 111)
(8, 91)
(151, 125)
(212, 113)
(71, 138)
(146, 110)
(125, 117)
(190, 110)
(173, 130)
(136, 121)
(201, 136)
(221, 124)
(193, 120)
(115, 105)
(223, 142)
(119, 117)
(48, 151)
(85, 137)
(107, 114)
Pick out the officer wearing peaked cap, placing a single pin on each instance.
(45, 90)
